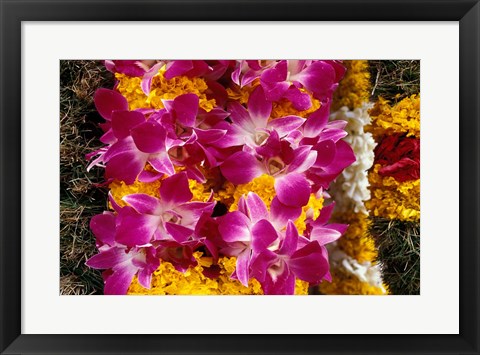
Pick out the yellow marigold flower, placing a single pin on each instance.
(236, 93)
(263, 186)
(354, 89)
(311, 210)
(347, 284)
(284, 107)
(162, 89)
(119, 189)
(201, 192)
(356, 242)
(402, 117)
(166, 280)
(392, 199)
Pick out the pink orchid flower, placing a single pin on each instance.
(251, 127)
(248, 70)
(172, 217)
(287, 77)
(249, 230)
(295, 258)
(287, 165)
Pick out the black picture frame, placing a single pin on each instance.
(13, 12)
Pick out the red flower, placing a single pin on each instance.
(399, 157)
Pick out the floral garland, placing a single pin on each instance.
(395, 179)
(217, 173)
(353, 256)
(395, 187)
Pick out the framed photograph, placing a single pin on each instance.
(157, 155)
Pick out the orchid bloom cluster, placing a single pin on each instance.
(210, 126)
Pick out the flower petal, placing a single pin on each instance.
(103, 227)
(317, 121)
(256, 208)
(309, 264)
(134, 229)
(243, 266)
(108, 258)
(235, 227)
(126, 167)
(149, 137)
(285, 125)
(263, 235)
(292, 189)
(144, 203)
(259, 108)
(241, 168)
(107, 101)
(175, 189)
(280, 213)
(119, 282)
(304, 158)
(186, 109)
(289, 244)
(124, 121)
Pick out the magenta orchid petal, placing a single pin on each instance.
(259, 108)
(289, 244)
(304, 158)
(325, 214)
(177, 68)
(324, 235)
(263, 235)
(180, 233)
(108, 258)
(126, 167)
(241, 168)
(332, 134)
(292, 189)
(309, 264)
(107, 101)
(256, 208)
(243, 266)
(235, 227)
(280, 213)
(148, 77)
(209, 136)
(175, 189)
(149, 176)
(241, 117)
(285, 125)
(192, 211)
(103, 227)
(162, 163)
(326, 153)
(186, 109)
(317, 121)
(301, 101)
(135, 229)
(319, 77)
(143, 203)
(144, 277)
(279, 280)
(124, 121)
(119, 281)
(149, 137)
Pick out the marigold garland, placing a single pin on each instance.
(168, 281)
(403, 117)
(393, 199)
(354, 89)
(162, 89)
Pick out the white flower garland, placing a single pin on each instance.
(351, 187)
